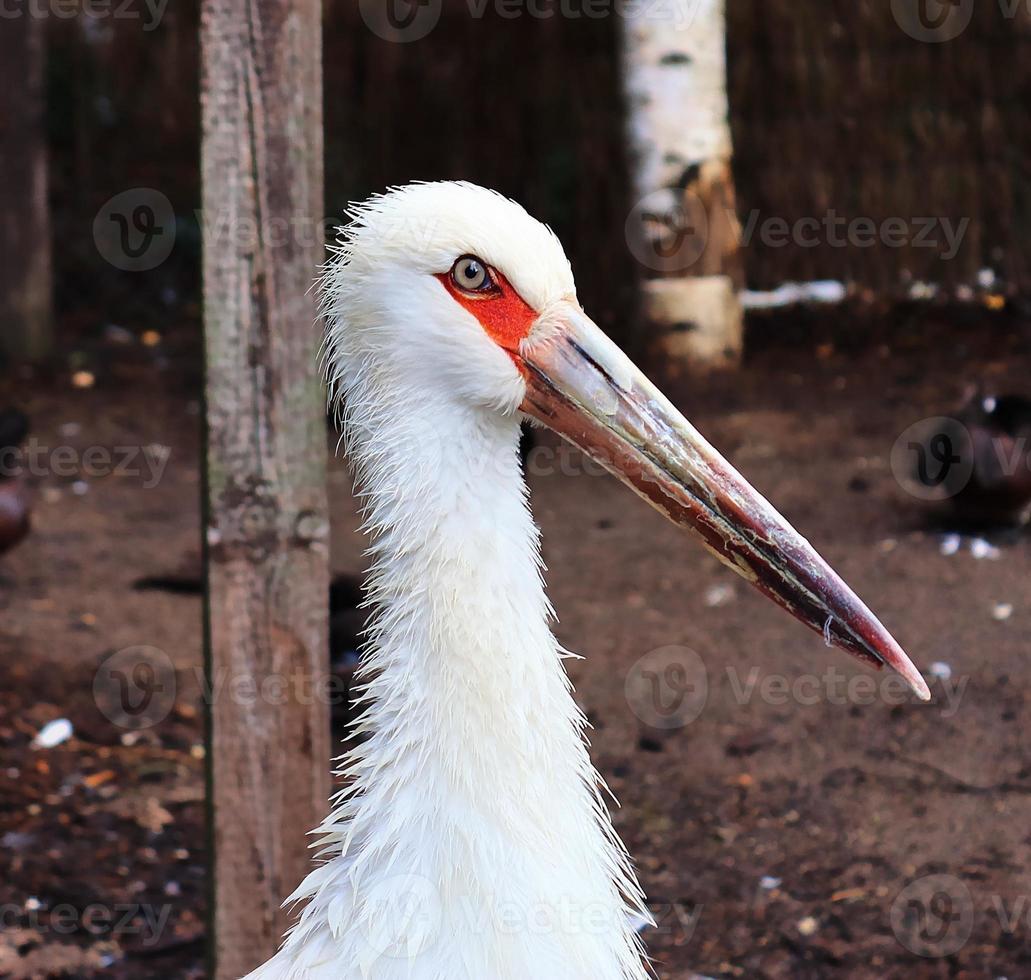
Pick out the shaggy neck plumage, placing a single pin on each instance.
(462, 665)
(473, 782)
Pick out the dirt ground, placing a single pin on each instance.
(787, 819)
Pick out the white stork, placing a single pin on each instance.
(471, 841)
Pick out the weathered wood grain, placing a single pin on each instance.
(266, 520)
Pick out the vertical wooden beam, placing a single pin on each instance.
(266, 518)
(26, 288)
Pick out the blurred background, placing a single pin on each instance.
(873, 225)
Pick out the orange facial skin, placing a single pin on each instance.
(503, 313)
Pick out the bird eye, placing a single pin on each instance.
(470, 274)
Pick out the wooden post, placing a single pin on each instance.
(26, 291)
(266, 517)
(684, 229)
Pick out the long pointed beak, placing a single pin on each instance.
(582, 386)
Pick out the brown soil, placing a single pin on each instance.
(786, 824)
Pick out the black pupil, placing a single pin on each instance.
(472, 272)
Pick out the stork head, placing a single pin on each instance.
(454, 291)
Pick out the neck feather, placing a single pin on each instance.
(471, 793)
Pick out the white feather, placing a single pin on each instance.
(470, 841)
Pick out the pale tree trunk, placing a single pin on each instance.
(26, 289)
(266, 516)
(684, 229)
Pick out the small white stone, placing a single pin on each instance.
(980, 549)
(53, 733)
(950, 544)
(1002, 611)
(769, 883)
(719, 595)
(808, 926)
(922, 290)
(118, 335)
(941, 670)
